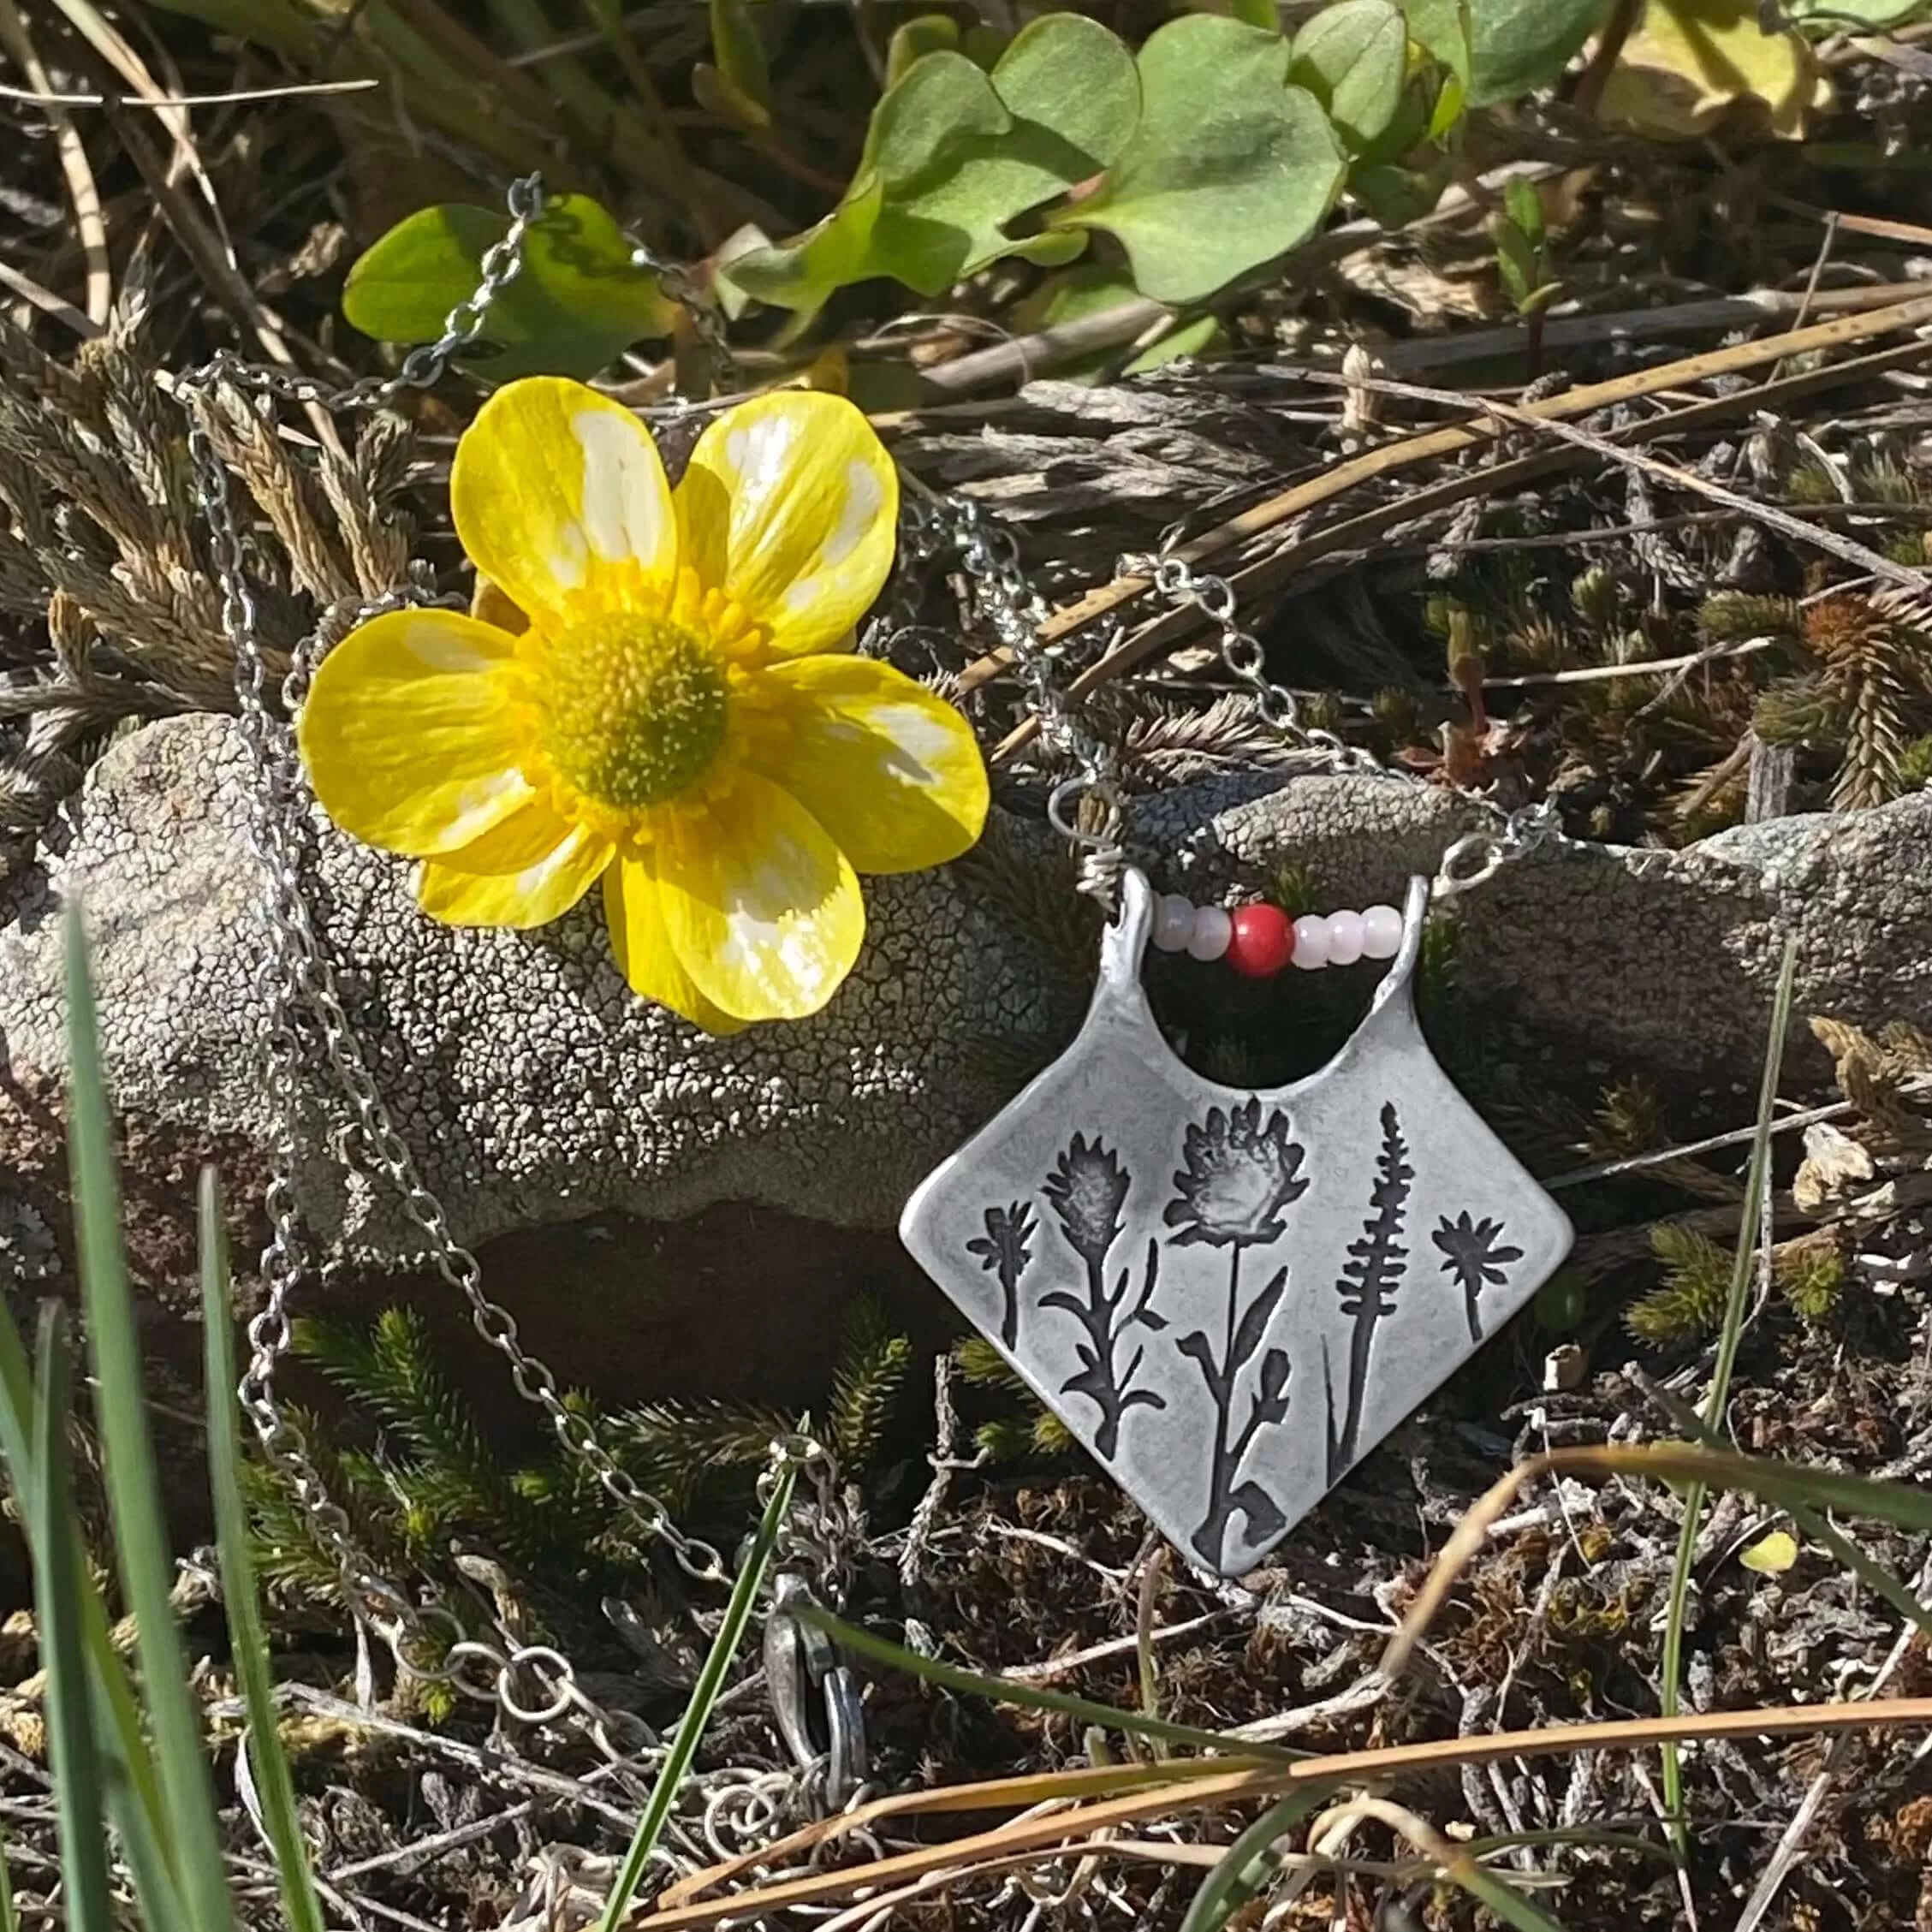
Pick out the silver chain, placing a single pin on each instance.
(989, 556)
(531, 1683)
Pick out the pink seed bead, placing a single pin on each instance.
(1345, 936)
(1213, 928)
(1173, 922)
(1381, 933)
(1311, 942)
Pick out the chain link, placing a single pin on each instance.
(1085, 808)
(530, 1683)
(1471, 861)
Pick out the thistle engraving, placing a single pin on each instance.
(1239, 1174)
(1087, 1191)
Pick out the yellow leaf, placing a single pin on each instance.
(1690, 61)
(1771, 1556)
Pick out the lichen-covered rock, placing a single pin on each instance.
(534, 1088)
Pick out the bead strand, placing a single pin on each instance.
(1258, 941)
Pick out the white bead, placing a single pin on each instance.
(1345, 936)
(1382, 932)
(1213, 928)
(1173, 922)
(1311, 942)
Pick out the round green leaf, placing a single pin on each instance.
(1516, 46)
(578, 303)
(1353, 58)
(1228, 168)
(954, 154)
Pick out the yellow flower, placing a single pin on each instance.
(681, 717)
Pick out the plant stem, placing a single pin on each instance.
(1757, 1184)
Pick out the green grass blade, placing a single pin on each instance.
(1506, 1900)
(88, 1905)
(1814, 1526)
(1757, 1180)
(247, 1637)
(704, 1695)
(1032, 1697)
(9, 1915)
(133, 1786)
(133, 1489)
(1253, 1861)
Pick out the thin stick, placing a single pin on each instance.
(1164, 633)
(81, 185)
(1431, 445)
(292, 91)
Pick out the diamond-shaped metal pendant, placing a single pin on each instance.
(1230, 1297)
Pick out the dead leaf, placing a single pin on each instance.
(1689, 63)
(1835, 1165)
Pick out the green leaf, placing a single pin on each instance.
(1202, 336)
(1264, 13)
(1229, 169)
(1771, 1556)
(1353, 58)
(1516, 46)
(1517, 261)
(1396, 196)
(77, 1793)
(954, 154)
(247, 1635)
(1524, 206)
(134, 1489)
(925, 33)
(133, 1786)
(739, 53)
(579, 301)
(1441, 29)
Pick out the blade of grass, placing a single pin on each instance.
(704, 1695)
(248, 1637)
(1816, 1527)
(1757, 1180)
(9, 1914)
(88, 1905)
(133, 1489)
(1253, 1863)
(1033, 1697)
(133, 1786)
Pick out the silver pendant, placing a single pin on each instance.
(1229, 1297)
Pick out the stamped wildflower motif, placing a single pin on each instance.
(1473, 1253)
(1369, 1281)
(1004, 1250)
(668, 705)
(1238, 1175)
(1088, 1191)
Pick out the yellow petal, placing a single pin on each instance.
(528, 871)
(407, 732)
(791, 504)
(1771, 1556)
(1689, 61)
(762, 908)
(559, 497)
(643, 948)
(890, 770)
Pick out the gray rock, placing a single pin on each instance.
(535, 1089)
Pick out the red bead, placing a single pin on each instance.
(1263, 940)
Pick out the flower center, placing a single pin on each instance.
(632, 708)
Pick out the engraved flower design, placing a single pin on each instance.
(1004, 1250)
(1087, 1189)
(1240, 1173)
(1474, 1254)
